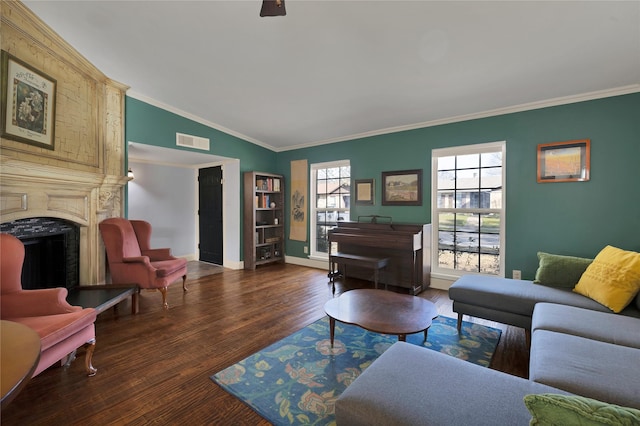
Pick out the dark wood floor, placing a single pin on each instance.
(154, 367)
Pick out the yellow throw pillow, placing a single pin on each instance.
(612, 279)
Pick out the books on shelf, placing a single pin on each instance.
(263, 201)
(268, 184)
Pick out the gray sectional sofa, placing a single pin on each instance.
(577, 347)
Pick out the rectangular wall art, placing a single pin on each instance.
(28, 103)
(564, 161)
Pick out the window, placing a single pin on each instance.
(331, 196)
(468, 209)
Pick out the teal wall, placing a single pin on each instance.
(573, 218)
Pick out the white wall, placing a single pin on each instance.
(164, 196)
(167, 197)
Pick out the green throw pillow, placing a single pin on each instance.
(553, 409)
(560, 271)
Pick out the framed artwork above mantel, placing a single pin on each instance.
(28, 103)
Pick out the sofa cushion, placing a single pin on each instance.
(552, 409)
(602, 326)
(613, 278)
(514, 296)
(410, 385)
(586, 367)
(560, 271)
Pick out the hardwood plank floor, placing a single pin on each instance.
(154, 367)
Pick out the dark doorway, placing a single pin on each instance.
(210, 213)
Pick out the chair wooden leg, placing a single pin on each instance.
(91, 370)
(459, 322)
(184, 283)
(163, 290)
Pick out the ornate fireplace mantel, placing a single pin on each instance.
(30, 190)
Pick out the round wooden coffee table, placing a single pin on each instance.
(381, 311)
(20, 353)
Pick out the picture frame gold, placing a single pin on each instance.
(568, 161)
(402, 188)
(364, 191)
(28, 103)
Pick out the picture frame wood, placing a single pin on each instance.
(402, 188)
(28, 103)
(365, 191)
(568, 161)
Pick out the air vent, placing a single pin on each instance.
(192, 141)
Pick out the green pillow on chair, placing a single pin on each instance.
(560, 271)
(554, 409)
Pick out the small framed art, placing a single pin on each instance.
(364, 191)
(28, 103)
(564, 161)
(402, 188)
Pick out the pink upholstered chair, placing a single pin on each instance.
(62, 328)
(132, 260)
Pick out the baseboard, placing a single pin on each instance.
(441, 283)
(307, 262)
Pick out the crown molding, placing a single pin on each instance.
(625, 90)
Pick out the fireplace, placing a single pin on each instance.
(52, 251)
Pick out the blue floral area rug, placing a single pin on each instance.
(297, 380)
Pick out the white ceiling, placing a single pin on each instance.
(331, 70)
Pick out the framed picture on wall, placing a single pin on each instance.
(28, 103)
(402, 188)
(564, 161)
(364, 191)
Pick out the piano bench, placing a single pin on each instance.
(344, 259)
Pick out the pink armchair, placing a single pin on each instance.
(132, 261)
(62, 328)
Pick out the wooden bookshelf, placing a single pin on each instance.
(263, 228)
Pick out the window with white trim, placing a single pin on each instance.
(330, 201)
(468, 209)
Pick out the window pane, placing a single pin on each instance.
(322, 173)
(333, 172)
(467, 161)
(321, 217)
(446, 180)
(446, 163)
(468, 179)
(322, 244)
(345, 171)
(489, 159)
(445, 199)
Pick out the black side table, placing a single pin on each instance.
(102, 297)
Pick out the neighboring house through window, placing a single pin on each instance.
(468, 209)
(330, 201)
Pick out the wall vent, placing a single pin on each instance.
(192, 141)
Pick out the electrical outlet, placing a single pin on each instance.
(306, 249)
(517, 274)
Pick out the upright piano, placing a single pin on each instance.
(408, 247)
